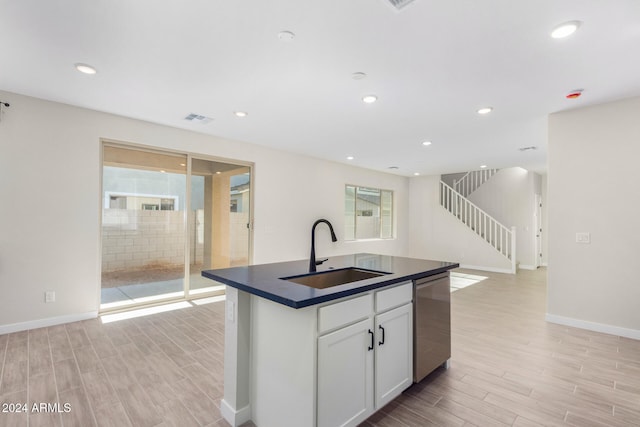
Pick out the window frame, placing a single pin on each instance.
(352, 216)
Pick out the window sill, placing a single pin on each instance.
(369, 240)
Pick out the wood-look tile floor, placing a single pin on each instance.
(509, 368)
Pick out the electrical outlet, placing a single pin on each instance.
(583, 237)
(50, 296)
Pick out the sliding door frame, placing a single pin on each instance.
(190, 156)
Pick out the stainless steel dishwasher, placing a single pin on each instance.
(431, 324)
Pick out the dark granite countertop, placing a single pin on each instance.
(265, 280)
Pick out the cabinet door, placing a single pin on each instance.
(394, 353)
(345, 375)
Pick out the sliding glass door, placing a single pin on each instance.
(219, 220)
(165, 218)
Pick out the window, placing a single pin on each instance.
(136, 201)
(368, 213)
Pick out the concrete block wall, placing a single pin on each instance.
(135, 239)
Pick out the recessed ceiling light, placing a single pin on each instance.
(369, 99)
(86, 69)
(565, 29)
(485, 110)
(426, 143)
(241, 113)
(416, 173)
(286, 36)
(358, 76)
(483, 166)
(350, 157)
(218, 173)
(393, 167)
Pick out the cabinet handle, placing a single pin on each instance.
(371, 333)
(382, 329)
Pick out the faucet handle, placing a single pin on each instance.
(320, 261)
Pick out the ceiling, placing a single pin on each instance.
(432, 65)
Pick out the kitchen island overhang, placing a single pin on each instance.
(266, 280)
(271, 331)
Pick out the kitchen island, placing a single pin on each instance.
(319, 353)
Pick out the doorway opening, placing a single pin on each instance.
(166, 217)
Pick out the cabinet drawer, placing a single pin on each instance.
(394, 297)
(342, 313)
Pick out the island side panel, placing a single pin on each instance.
(283, 364)
(235, 406)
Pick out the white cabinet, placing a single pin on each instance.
(328, 365)
(364, 365)
(345, 375)
(394, 353)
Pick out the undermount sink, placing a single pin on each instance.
(327, 279)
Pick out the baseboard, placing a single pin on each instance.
(491, 269)
(527, 267)
(49, 321)
(235, 417)
(593, 326)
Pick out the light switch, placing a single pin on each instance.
(50, 296)
(583, 237)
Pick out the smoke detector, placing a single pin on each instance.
(399, 4)
(574, 94)
(286, 36)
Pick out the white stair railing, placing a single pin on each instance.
(472, 180)
(484, 225)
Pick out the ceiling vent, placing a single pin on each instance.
(197, 118)
(399, 4)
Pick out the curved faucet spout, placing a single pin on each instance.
(312, 258)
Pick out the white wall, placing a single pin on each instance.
(450, 178)
(509, 197)
(50, 203)
(593, 187)
(436, 234)
(545, 220)
(293, 191)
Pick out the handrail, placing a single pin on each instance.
(484, 225)
(472, 180)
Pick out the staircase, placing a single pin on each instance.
(472, 180)
(484, 225)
